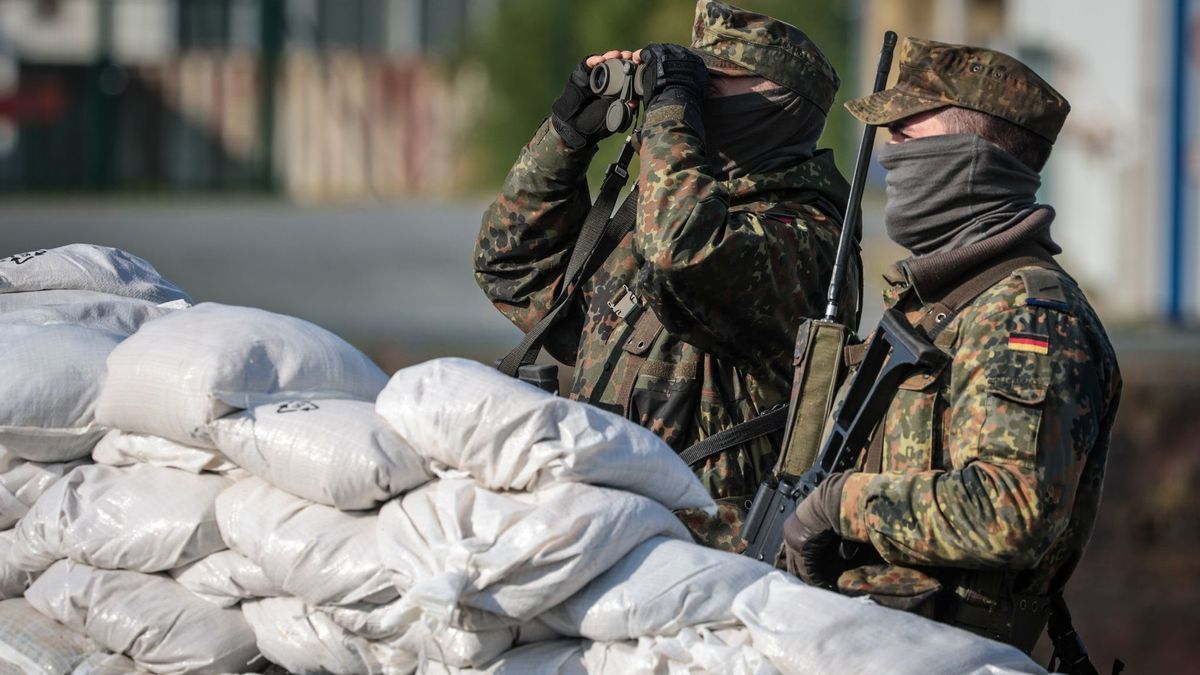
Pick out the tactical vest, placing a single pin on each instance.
(985, 602)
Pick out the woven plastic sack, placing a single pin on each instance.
(333, 452)
(35, 644)
(305, 639)
(454, 544)
(310, 551)
(225, 578)
(556, 657)
(510, 435)
(143, 518)
(119, 448)
(302, 640)
(727, 651)
(100, 311)
(149, 617)
(179, 373)
(104, 662)
(22, 482)
(13, 581)
(50, 378)
(87, 267)
(657, 589)
(803, 629)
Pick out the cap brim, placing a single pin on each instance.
(722, 66)
(890, 105)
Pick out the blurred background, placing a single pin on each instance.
(330, 159)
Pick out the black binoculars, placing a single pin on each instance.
(622, 80)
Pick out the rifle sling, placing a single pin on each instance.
(769, 422)
(597, 239)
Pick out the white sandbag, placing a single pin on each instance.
(13, 580)
(119, 448)
(225, 578)
(453, 542)
(87, 267)
(657, 589)
(143, 518)
(50, 378)
(179, 373)
(803, 629)
(726, 651)
(310, 551)
(557, 657)
(402, 627)
(509, 435)
(101, 311)
(333, 452)
(105, 662)
(305, 639)
(22, 482)
(35, 644)
(293, 635)
(149, 617)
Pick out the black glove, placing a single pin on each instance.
(812, 536)
(578, 113)
(674, 75)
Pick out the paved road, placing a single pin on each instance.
(381, 273)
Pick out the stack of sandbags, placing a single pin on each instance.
(62, 312)
(146, 515)
(545, 511)
(260, 497)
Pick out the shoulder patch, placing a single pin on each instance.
(1043, 288)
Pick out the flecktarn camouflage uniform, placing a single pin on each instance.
(991, 469)
(996, 461)
(728, 268)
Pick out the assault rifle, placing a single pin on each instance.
(895, 351)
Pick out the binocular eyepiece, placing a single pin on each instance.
(622, 80)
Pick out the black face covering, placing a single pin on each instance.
(759, 132)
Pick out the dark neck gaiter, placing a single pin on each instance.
(759, 132)
(946, 192)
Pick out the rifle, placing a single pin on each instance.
(896, 349)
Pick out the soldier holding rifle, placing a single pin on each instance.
(981, 483)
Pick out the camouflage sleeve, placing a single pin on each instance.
(731, 283)
(1026, 405)
(528, 233)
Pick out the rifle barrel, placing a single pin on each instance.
(851, 224)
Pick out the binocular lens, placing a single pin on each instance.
(607, 78)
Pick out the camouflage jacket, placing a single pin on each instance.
(728, 268)
(994, 463)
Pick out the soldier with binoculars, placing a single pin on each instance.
(688, 325)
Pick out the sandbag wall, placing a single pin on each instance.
(219, 489)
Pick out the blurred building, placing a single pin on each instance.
(323, 99)
(1124, 171)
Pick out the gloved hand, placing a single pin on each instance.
(674, 75)
(578, 114)
(812, 536)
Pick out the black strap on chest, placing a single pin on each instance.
(769, 422)
(601, 232)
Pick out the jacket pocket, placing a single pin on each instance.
(1017, 384)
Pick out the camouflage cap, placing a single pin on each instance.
(733, 41)
(935, 75)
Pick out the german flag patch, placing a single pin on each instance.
(1029, 342)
